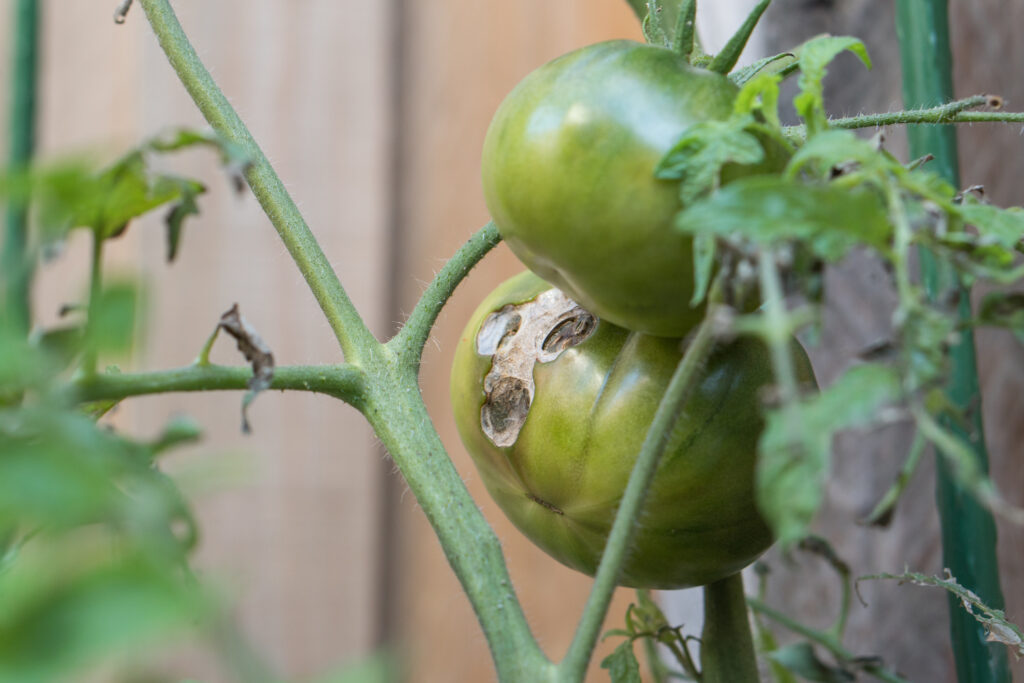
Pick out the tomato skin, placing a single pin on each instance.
(561, 481)
(568, 176)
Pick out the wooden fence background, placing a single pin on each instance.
(373, 114)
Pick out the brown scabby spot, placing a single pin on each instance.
(543, 503)
(516, 338)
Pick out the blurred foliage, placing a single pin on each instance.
(95, 538)
(840, 193)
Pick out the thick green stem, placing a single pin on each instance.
(968, 529)
(397, 414)
(343, 381)
(726, 645)
(686, 375)
(408, 343)
(352, 333)
(15, 262)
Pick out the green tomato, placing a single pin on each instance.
(553, 405)
(568, 177)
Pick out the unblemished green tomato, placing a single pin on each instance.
(553, 405)
(568, 177)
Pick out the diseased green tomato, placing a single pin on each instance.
(553, 404)
(568, 176)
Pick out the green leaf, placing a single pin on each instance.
(760, 93)
(1004, 227)
(80, 615)
(770, 210)
(777, 65)
(125, 191)
(703, 266)
(622, 664)
(801, 659)
(815, 55)
(180, 430)
(22, 365)
(72, 194)
(378, 668)
(796, 445)
(834, 149)
(112, 322)
(698, 158)
(185, 207)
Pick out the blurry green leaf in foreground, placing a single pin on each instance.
(770, 210)
(73, 194)
(75, 606)
(797, 441)
(113, 318)
(699, 157)
(801, 659)
(378, 668)
(622, 665)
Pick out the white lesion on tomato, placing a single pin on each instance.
(517, 338)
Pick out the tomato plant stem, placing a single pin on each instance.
(345, 321)
(399, 417)
(343, 381)
(726, 645)
(15, 264)
(95, 286)
(968, 529)
(950, 112)
(408, 343)
(574, 666)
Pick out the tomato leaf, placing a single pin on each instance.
(801, 659)
(186, 206)
(703, 265)
(995, 225)
(622, 664)
(796, 445)
(760, 93)
(832, 149)
(770, 210)
(112, 324)
(777, 65)
(815, 56)
(698, 157)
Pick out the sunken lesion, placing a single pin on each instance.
(517, 337)
(570, 332)
(504, 410)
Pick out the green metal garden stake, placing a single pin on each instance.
(968, 529)
(15, 268)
